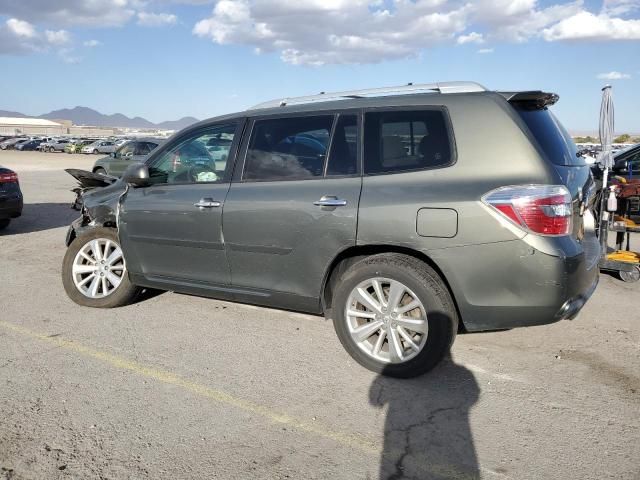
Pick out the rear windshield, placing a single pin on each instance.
(554, 140)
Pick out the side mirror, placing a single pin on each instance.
(137, 175)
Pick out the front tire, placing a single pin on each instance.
(394, 315)
(94, 271)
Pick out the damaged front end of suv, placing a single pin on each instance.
(97, 198)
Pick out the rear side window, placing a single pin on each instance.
(397, 141)
(288, 148)
(553, 139)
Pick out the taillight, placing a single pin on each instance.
(540, 209)
(8, 177)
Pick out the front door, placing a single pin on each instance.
(294, 208)
(171, 231)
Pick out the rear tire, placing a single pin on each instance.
(107, 295)
(420, 343)
(630, 277)
(4, 223)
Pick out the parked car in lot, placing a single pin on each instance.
(28, 145)
(57, 145)
(77, 145)
(100, 146)
(12, 142)
(10, 197)
(403, 217)
(129, 152)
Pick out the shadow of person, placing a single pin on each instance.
(427, 433)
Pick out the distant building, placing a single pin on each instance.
(30, 126)
(40, 126)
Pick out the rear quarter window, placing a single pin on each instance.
(403, 140)
(551, 136)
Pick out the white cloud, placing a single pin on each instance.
(316, 32)
(587, 26)
(614, 76)
(68, 13)
(60, 37)
(92, 43)
(472, 37)
(485, 50)
(156, 19)
(19, 37)
(20, 28)
(67, 55)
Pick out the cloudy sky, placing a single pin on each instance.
(163, 59)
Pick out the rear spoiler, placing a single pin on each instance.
(532, 100)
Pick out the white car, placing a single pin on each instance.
(100, 146)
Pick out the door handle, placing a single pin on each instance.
(330, 201)
(207, 203)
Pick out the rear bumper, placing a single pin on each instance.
(512, 284)
(10, 207)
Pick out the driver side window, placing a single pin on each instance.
(200, 157)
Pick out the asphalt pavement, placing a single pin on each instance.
(177, 386)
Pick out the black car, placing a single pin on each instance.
(626, 163)
(10, 197)
(30, 145)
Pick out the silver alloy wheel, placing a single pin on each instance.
(386, 320)
(98, 268)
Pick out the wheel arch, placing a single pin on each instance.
(350, 255)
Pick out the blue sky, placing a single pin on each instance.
(164, 59)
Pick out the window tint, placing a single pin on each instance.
(200, 157)
(343, 158)
(397, 141)
(288, 148)
(554, 140)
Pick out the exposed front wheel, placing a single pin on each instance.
(94, 272)
(394, 315)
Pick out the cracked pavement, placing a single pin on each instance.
(177, 386)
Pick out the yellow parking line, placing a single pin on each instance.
(354, 441)
(351, 440)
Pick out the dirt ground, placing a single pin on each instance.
(177, 386)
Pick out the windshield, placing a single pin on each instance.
(554, 140)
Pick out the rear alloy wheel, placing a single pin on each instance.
(386, 320)
(94, 271)
(394, 315)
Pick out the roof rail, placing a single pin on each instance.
(410, 88)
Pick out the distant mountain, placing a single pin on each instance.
(177, 124)
(88, 116)
(6, 113)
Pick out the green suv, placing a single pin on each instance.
(402, 214)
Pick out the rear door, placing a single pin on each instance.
(293, 205)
